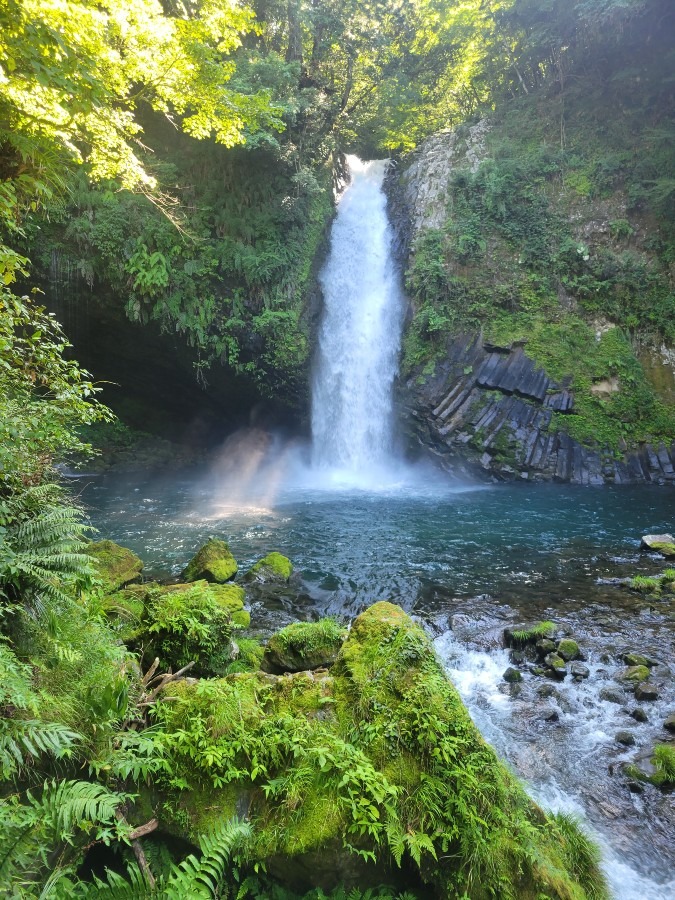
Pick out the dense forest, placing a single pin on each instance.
(173, 166)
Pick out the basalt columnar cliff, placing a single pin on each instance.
(538, 336)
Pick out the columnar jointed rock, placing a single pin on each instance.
(488, 409)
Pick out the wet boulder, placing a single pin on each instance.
(116, 566)
(646, 691)
(568, 649)
(633, 675)
(659, 543)
(669, 723)
(512, 676)
(555, 665)
(271, 569)
(612, 695)
(579, 670)
(637, 659)
(212, 562)
(625, 737)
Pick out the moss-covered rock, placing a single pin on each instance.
(231, 598)
(633, 674)
(659, 543)
(271, 568)
(524, 634)
(213, 562)
(116, 566)
(304, 645)
(192, 622)
(636, 659)
(568, 649)
(374, 764)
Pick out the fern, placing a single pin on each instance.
(29, 738)
(43, 543)
(192, 878)
(39, 834)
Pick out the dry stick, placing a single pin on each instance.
(139, 853)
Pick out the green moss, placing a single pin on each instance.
(664, 547)
(116, 566)
(568, 649)
(191, 623)
(304, 645)
(379, 758)
(231, 598)
(273, 567)
(213, 562)
(634, 674)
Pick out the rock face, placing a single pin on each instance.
(489, 410)
(116, 566)
(372, 768)
(213, 562)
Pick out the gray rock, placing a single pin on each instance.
(579, 670)
(670, 722)
(659, 543)
(646, 691)
(612, 695)
(556, 665)
(544, 647)
(625, 738)
(639, 714)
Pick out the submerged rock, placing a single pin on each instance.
(213, 562)
(351, 774)
(670, 722)
(116, 566)
(612, 695)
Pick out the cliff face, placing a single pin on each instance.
(489, 410)
(492, 381)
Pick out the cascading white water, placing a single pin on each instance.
(359, 338)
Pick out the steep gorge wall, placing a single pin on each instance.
(477, 399)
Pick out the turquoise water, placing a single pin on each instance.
(411, 546)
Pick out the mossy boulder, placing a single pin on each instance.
(270, 569)
(633, 674)
(568, 649)
(636, 659)
(213, 562)
(659, 543)
(116, 566)
(231, 597)
(373, 766)
(304, 645)
(124, 610)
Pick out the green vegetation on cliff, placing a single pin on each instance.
(563, 236)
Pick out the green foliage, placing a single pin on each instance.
(44, 395)
(42, 833)
(310, 637)
(187, 623)
(664, 762)
(530, 635)
(42, 546)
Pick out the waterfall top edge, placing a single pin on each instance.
(358, 166)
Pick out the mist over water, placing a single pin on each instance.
(359, 341)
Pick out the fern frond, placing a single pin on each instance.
(23, 738)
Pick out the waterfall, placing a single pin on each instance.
(359, 337)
